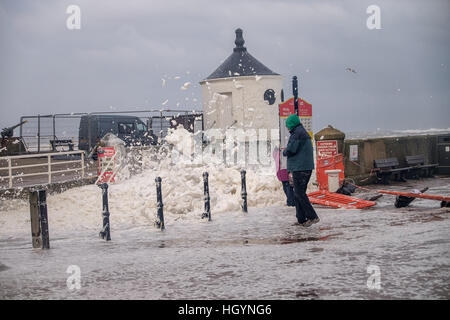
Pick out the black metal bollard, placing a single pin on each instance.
(160, 221)
(244, 191)
(207, 213)
(105, 233)
(39, 220)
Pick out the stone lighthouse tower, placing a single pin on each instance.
(241, 93)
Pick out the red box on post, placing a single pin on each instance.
(106, 164)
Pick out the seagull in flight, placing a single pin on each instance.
(351, 70)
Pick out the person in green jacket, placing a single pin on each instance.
(300, 163)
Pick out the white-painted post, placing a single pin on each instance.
(10, 173)
(49, 161)
(333, 179)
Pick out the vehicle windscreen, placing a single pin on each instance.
(126, 127)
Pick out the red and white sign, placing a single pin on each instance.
(326, 149)
(304, 108)
(106, 164)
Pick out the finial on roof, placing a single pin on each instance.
(239, 41)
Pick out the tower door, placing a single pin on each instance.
(225, 115)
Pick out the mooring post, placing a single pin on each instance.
(244, 191)
(207, 213)
(160, 217)
(39, 220)
(105, 233)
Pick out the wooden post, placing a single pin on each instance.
(39, 220)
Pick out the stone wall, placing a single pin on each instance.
(382, 148)
(56, 187)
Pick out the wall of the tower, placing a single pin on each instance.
(247, 108)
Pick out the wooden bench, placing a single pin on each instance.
(418, 166)
(61, 143)
(389, 168)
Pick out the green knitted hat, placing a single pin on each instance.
(292, 121)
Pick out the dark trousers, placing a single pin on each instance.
(303, 207)
(289, 192)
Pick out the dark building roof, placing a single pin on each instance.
(240, 63)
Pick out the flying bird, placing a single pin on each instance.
(351, 70)
(185, 86)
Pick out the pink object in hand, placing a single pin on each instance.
(282, 174)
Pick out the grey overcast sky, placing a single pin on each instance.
(124, 48)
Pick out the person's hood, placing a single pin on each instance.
(292, 121)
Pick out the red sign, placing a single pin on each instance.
(287, 108)
(330, 163)
(326, 149)
(106, 164)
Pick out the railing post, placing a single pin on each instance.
(160, 214)
(82, 164)
(244, 191)
(21, 138)
(89, 133)
(10, 173)
(49, 163)
(39, 133)
(160, 125)
(105, 233)
(39, 220)
(54, 129)
(207, 213)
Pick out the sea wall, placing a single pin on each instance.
(56, 187)
(368, 150)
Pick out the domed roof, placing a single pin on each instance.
(240, 63)
(329, 133)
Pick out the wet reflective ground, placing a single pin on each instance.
(258, 255)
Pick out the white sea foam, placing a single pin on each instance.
(132, 199)
(395, 133)
(421, 131)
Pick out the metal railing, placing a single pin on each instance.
(48, 164)
(39, 130)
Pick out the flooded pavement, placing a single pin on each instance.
(261, 254)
